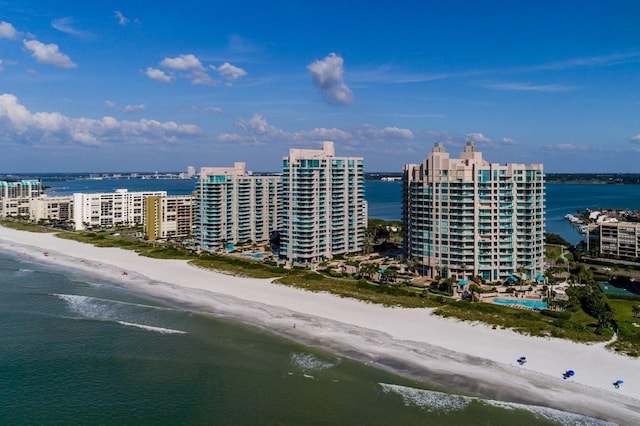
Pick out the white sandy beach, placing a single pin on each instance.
(470, 357)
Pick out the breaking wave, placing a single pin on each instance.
(123, 313)
(309, 362)
(433, 401)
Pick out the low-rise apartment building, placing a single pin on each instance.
(620, 239)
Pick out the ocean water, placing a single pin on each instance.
(80, 350)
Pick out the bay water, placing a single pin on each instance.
(79, 350)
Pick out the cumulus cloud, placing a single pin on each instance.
(48, 54)
(133, 108)
(182, 63)
(158, 75)
(109, 104)
(477, 137)
(229, 72)
(327, 76)
(7, 31)
(508, 141)
(258, 131)
(20, 124)
(122, 20)
(191, 66)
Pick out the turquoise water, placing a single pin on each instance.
(80, 350)
(535, 304)
(253, 255)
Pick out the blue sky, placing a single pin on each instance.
(146, 86)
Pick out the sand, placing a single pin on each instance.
(471, 357)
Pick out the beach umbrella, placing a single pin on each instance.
(570, 373)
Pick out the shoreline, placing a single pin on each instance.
(471, 358)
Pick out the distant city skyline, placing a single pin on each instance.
(142, 86)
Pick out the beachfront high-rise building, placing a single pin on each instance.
(107, 209)
(323, 212)
(233, 206)
(467, 217)
(169, 217)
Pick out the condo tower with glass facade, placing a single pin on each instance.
(466, 217)
(322, 210)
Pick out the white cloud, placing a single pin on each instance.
(109, 104)
(397, 133)
(229, 72)
(327, 75)
(477, 137)
(508, 141)
(122, 20)
(158, 75)
(528, 87)
(191, 65)
(65, 25)
(20, 124)
(257, 131)
(635, 139)
(182, 63)
(216, 110)
(133, 108)
(48, 54)
(7, 31)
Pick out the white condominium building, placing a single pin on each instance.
(465, 217)
(168, 217)
(107, 209)
(322, 208)
(16, 195)
(233, 206)
(27, 188)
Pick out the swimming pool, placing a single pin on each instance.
(535, 304)
(256, 256)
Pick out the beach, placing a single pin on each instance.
(473, 358)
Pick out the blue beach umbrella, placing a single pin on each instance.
(571, 373)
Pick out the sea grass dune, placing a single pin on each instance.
(471, 357)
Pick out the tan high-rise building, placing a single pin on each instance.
(465, 217)
(168, 217)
